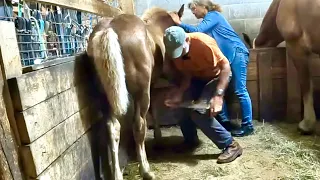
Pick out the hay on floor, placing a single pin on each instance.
(274, 152)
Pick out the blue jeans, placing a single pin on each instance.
(238, 85)
(191, 118)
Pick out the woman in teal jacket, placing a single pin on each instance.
(216, 26)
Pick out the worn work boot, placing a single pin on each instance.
(230, 153)
(243, 131)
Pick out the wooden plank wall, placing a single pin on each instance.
(9, 135)
(266, 83)
(56, 109)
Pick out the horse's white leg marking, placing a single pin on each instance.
(114, 131)
(139, 132)
(309, 119)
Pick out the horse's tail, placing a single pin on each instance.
(247, 39)
(108, 62)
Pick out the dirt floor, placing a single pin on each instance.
(275, 151)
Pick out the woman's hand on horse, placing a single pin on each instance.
(173, 97)
(175, 17)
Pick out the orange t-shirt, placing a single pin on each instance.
(203, 57)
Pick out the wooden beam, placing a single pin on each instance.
(264, 60)
(92, 6)
(47, 64)
(9, 50)
(4, 166)
(10, 67)
(294, 100)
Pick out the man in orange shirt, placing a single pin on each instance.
(205, 76)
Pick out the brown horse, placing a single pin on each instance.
(293, 21)
(128, 54)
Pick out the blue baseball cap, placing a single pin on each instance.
(174, 38)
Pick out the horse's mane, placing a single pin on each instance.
(153, 13)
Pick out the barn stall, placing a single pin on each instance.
(52, 126)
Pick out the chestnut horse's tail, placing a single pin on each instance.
(109, 64)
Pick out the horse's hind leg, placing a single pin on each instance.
(142, 102)
(301, 61)
(114, 128)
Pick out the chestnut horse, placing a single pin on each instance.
(128, 54)
(293, 21)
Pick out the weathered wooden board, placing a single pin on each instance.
(32, 88)
(92, 6)
(252, 72)
(39, 119)
(8, 132)
(4, 166)
(47, 64)
(315, 65)
(316, 95)
(279, 91)
(294, 98)
(265, 86)
(9, 50)
(71, 163)
(86, 172)
(50, 146)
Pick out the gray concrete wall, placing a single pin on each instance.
(244, 15)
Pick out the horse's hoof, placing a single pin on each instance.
(305, 132)
(149, 176)
(304, 128)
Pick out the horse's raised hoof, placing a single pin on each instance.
(149, 176)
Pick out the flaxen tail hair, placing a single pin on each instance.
(109, 65)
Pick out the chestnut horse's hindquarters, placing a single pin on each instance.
(108, 62)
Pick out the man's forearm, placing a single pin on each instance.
(224, 76)
(185, 82)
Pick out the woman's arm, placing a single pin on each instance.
(206, 24)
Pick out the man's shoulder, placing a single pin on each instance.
(202, 37)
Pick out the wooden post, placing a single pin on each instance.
(294, 106)
(10, 67)
(264, 64)
(4, 129)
